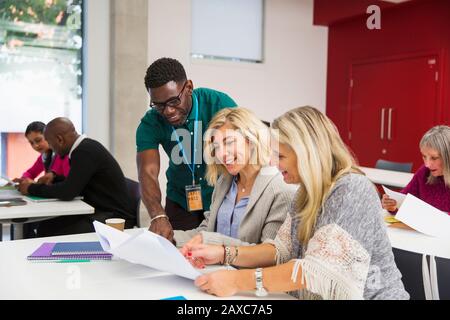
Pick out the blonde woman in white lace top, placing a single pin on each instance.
(333, 245)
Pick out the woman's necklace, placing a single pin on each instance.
(244, 188)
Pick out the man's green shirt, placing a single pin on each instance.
(154, 130)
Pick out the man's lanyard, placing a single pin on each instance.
(180, 145)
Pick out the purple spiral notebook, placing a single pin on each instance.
(44, 252)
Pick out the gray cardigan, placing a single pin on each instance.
(353, 204)
(266, 211)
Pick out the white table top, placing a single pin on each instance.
(415, 241)
(117, 279)
(45, 209)
(388, 177)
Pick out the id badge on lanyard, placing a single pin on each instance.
(194, 198)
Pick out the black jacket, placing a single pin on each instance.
(95, 175)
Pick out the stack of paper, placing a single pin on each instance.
(145, 248)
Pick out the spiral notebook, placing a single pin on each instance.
(44, 252)
(40, 199)
(77, 248)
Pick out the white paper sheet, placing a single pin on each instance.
(424, 218)
(397, 196)
(146, 248)
(5, 180)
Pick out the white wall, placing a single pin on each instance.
(97, 68)
(294, 69)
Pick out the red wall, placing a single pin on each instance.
(328, 12)
(19, 155)
(414, 27)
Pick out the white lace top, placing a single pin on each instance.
(349, 255)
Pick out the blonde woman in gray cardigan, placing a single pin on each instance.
(333, 244)
(250, 199)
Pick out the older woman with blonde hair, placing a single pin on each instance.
(333, 245)
(250, 200)
(431, 182)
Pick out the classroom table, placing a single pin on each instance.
(417, 242)
(414, 241)
(388, 177)
(116, 279)
(38, 211)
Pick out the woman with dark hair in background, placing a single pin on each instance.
(48, 162)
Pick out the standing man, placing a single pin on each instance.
(178, 118)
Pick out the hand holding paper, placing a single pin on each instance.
(5, 181)
(397, 196)
(146, 248)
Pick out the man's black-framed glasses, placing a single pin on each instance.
(172, 102)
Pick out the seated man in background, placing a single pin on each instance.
(48, 161)
(94, 174)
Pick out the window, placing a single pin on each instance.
(40, 72)
(228, 29)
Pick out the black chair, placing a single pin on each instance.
(134, 191)
(443, 277)
(394, 166)
(410, 266)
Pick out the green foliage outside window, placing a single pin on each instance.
(49, 12)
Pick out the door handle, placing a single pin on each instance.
(390, 124)
(383, 111)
